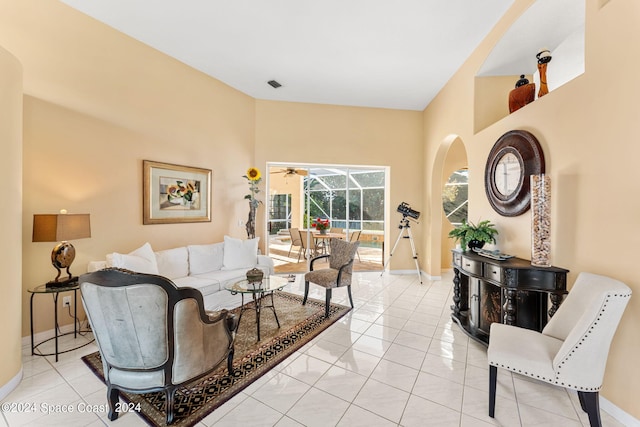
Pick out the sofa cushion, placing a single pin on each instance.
(173, 263)
(240, 253)
(205, 286)
(141, 260)
(205, 258)
(224, 276)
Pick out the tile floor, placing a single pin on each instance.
(395, 360)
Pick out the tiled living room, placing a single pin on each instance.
(396, 360)
(88, 96)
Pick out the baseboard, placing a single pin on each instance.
(617, 413)
(11, 385)
(409, 272)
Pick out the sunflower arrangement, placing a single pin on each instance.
(254, 177)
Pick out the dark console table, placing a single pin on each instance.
(511, 291)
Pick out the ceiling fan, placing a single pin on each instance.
(293, 171)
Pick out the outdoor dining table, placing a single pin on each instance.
(321, 241)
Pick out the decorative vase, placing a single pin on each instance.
(475, 244)
(540, 220)
(250, 226)
(523, 94)
(323, 231)
(543, 57)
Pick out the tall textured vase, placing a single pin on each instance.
(540, 220)
(251, 221)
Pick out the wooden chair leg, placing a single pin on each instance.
(590, 403)
(112, 397)
(327, 303)
(230, 362)
(170, 395)
(349, 292)
(493, 377)
(306, 292)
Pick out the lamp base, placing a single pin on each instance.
(69, 281)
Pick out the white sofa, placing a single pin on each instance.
(207, 268)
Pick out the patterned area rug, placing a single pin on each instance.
(194, 401)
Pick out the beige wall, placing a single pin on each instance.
(325, 134)
(11, 218)
(97, 103)
(587, 130)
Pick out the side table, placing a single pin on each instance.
(55, 292)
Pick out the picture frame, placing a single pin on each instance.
(175, 193)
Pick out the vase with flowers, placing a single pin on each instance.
(254, 177)
(322, 225)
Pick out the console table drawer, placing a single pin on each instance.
(493, 272)
(471, 266)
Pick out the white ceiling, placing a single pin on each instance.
(371, 53)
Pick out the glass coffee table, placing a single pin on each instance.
(258, 291)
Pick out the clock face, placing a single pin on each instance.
(508, 174)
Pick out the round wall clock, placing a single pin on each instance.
(514, 157)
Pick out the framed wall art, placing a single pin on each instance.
(175, 193)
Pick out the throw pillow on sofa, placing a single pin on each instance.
(173, 263)
(141, 260)
(240, 253)
(206, 258)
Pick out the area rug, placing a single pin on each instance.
(298, 325)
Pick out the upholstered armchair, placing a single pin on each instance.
(572, 349)
(338, 274)
(153, 336)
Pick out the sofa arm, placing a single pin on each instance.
(267, 263)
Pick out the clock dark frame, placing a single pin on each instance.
(528, 151)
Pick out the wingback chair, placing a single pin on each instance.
(337, 275)
(153, 336)
(572, 349)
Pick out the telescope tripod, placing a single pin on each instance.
(404, 227)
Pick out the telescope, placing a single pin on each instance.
(405, 209)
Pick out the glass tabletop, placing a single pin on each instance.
(271, 283)
(44, 289)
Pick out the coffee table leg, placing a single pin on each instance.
(241, 311)
(273, 307)
(257, 301)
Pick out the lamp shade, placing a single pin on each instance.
(60, 227)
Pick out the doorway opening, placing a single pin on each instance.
(351, 199)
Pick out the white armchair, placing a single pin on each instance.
(572, 349)
(152, 335)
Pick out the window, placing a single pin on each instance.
(455, 196)
(279, 213)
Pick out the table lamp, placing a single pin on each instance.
(61, 228)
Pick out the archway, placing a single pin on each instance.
(451, 156)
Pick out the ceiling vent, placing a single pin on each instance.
(274, 84)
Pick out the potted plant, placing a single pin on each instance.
(474, 236)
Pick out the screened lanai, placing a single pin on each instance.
(351, 199)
